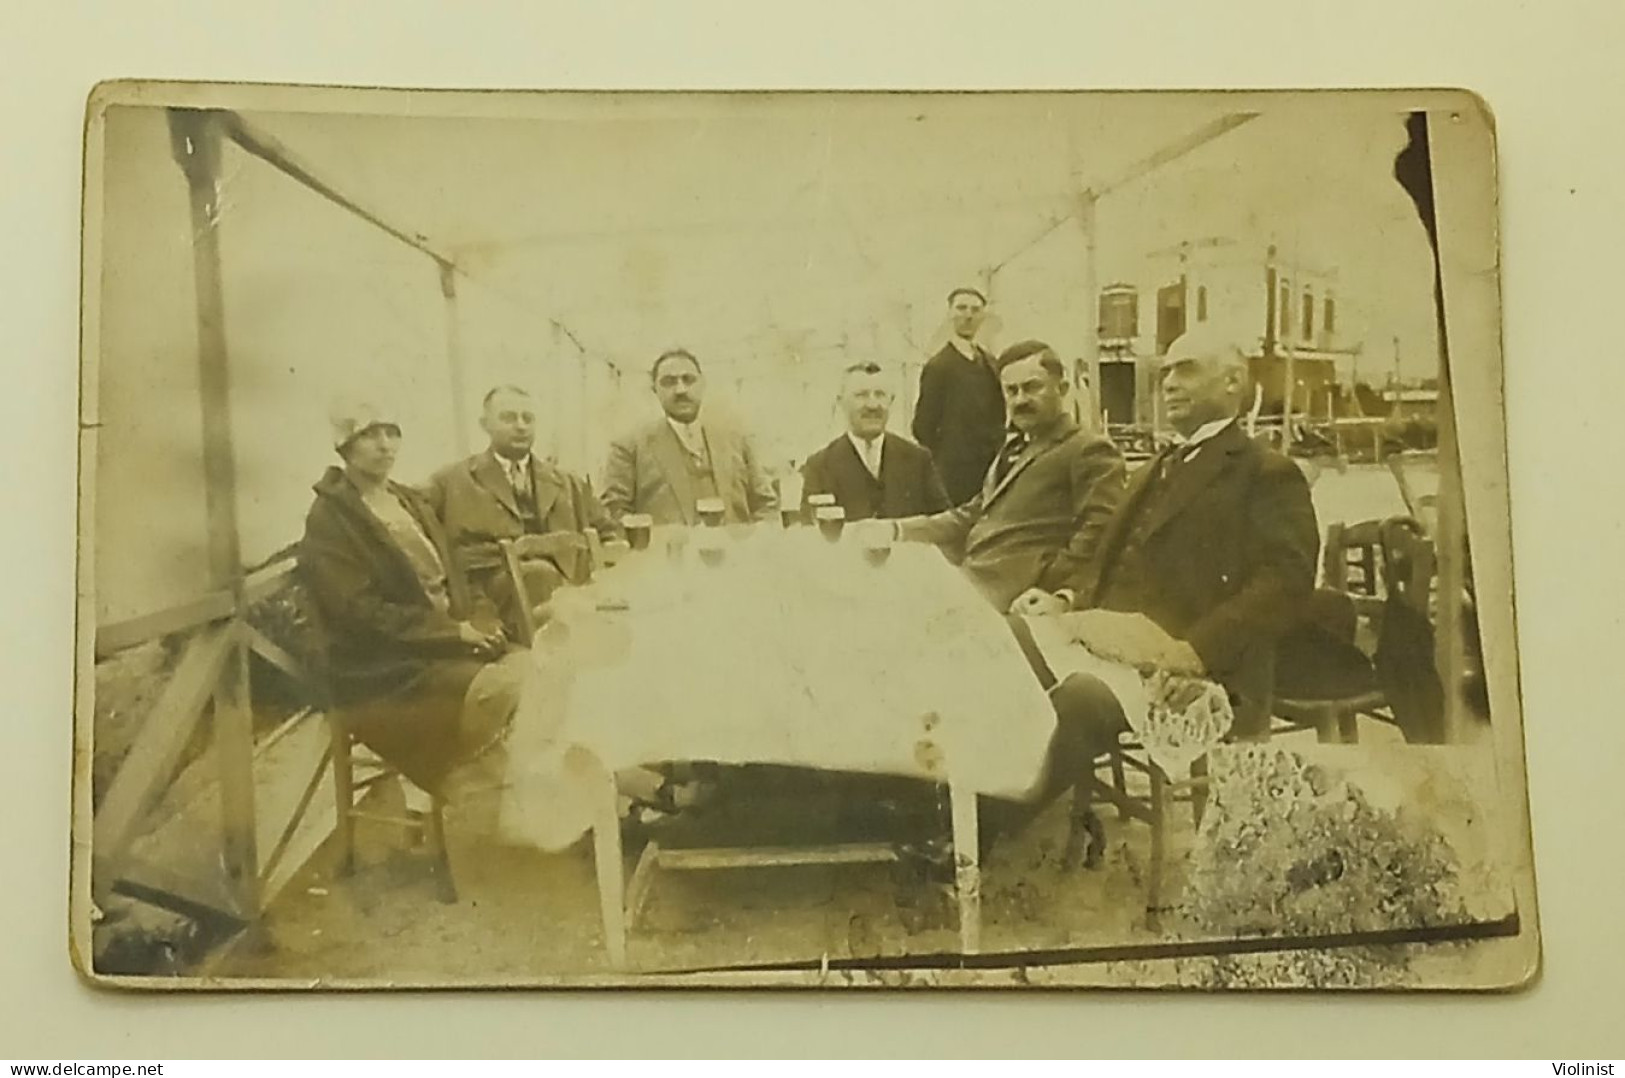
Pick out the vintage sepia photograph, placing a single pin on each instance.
(821, 539)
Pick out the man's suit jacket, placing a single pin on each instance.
(1226, 548)
(908, 484)
(475, 501)
(1041, 523)
(648, 472)
(959, 417)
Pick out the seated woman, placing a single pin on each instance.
(424, 680)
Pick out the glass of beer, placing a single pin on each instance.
(712, 545)
(711, 511)
(614, 551)
(877, 542)
(639, 527)
(831, 519)
(790, 515)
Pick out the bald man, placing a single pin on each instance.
(870, 471)
(1208, 560)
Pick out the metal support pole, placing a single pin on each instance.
(195, 139)
(1089, 362)
(460, 404)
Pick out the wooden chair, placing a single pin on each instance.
(513, 566)
(1412, 470)
(1336, 641)
(1154, 807)
(356, 770)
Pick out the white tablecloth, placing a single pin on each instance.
(794, 651)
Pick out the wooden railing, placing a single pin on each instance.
(186, 873)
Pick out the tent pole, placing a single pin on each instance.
(454, 360)
(196, 141)
(1088, 364)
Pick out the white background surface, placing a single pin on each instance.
(1550, 72)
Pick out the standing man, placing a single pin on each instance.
(959, 416)
(1043, 504)
(507, 493)
(870, 471)
(666, 467)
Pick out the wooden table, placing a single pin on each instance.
(793, 651)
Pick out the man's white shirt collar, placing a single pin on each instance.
(1205, 433)
(511, 466)
(966, 348)
(690, 434)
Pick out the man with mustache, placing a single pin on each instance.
(959, 414)
(870, 471)
(507, 493)
(1046, 498)
(665, 468)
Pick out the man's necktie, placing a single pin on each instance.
(871, 457)
(1175, 459)
(1013, 447)
(519, 477)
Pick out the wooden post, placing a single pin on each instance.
(195, 137)
(606, 844)
(1450, 546)
(1089, 361)
(454, 361)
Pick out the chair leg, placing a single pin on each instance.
(1159, 818)
(1120, 782)
(1199, 791)
(344, 798)
(1348, 727)
(445, 884)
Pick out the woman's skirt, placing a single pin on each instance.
(446, 716)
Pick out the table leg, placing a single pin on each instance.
(967, 867)
(606, 841)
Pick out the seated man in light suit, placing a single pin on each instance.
(870, 471)
(1046, 498)
(507, 493)
(666, 467)
(1210, 558)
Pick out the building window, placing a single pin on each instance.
(1308, 317)
(1201, 303)
(1328, 321)
(1119, 313)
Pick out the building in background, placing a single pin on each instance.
(1300, 341)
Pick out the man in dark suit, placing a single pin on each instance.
(664, 468)
(507, 493)
(870, 471)
(1046, 498)
(1209, 559)
(959, 414)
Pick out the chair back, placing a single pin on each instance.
(1352, 560)
(317, 660)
